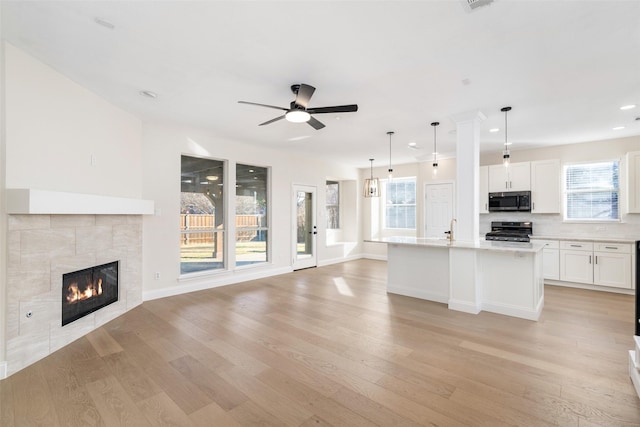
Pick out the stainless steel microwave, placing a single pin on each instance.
(510, 201)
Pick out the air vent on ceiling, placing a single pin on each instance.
(471, 5)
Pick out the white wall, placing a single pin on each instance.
(54, 127)
(3, 214)
(163, 144)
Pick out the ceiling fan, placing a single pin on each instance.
(298, 111)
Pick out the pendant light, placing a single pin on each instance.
(390, 168)
(505, 154)
(435, 149)
(371, 185)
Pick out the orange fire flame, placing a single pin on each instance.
(74, 294)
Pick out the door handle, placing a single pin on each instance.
(596, 259)
(589, 259)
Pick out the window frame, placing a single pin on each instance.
(383, 205)
(565, 192)
(225, 225)
(264, 228)
(331, 205)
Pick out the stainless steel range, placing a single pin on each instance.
(510, 231)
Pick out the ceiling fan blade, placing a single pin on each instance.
(336, 109)
(263, 105)
(315, 123)
(272, 120)
(304, 95)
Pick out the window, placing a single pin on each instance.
(202, 226)
(591, 191)
(333, 205)
(400, 203)
(251, 214)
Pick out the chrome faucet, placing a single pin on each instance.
(450, 232)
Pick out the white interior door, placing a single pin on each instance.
(438, 209)
(305, 231)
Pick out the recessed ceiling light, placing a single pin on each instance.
(148, 94)
(251, 171)
(628, 107)
(494, 130)
(413, 144)
(618, 128)
(204, 182)
(212, 177)
(104, 23)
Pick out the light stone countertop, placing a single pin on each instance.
(444, 243)
(585, 239)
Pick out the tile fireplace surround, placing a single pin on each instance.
(41, 248)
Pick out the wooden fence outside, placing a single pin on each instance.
(197, 229)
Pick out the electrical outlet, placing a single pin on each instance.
(157, 275)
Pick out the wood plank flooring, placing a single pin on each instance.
(328, 347)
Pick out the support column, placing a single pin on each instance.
(465, 283)
(467, 175)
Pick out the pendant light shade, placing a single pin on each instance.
(506, 156)
(390, 167)
(371, 185)
(435, 148)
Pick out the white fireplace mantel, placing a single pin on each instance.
(45, 202)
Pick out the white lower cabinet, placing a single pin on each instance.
(551, 259)
(605, 264)
(612, 265)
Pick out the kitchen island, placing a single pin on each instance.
(499, 277)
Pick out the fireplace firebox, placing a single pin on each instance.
(85, 291)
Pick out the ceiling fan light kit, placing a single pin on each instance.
(297, 116)
(298, 111)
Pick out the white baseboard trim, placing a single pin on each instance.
(338, 260)
(208, 282)
(374, 256)
(633, 372)
(464, 306)
(416, 293)
(589, 287)
(509, 310)
(3, 370)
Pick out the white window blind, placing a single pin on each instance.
(400, 203)
(591, 191)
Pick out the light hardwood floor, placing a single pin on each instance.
(328, 346)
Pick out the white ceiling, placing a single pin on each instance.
(566, 67)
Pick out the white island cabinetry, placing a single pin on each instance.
(500, 277)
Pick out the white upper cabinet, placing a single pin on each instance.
(633, 182)
(545, 186)
(484, 190)
(517, 177)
